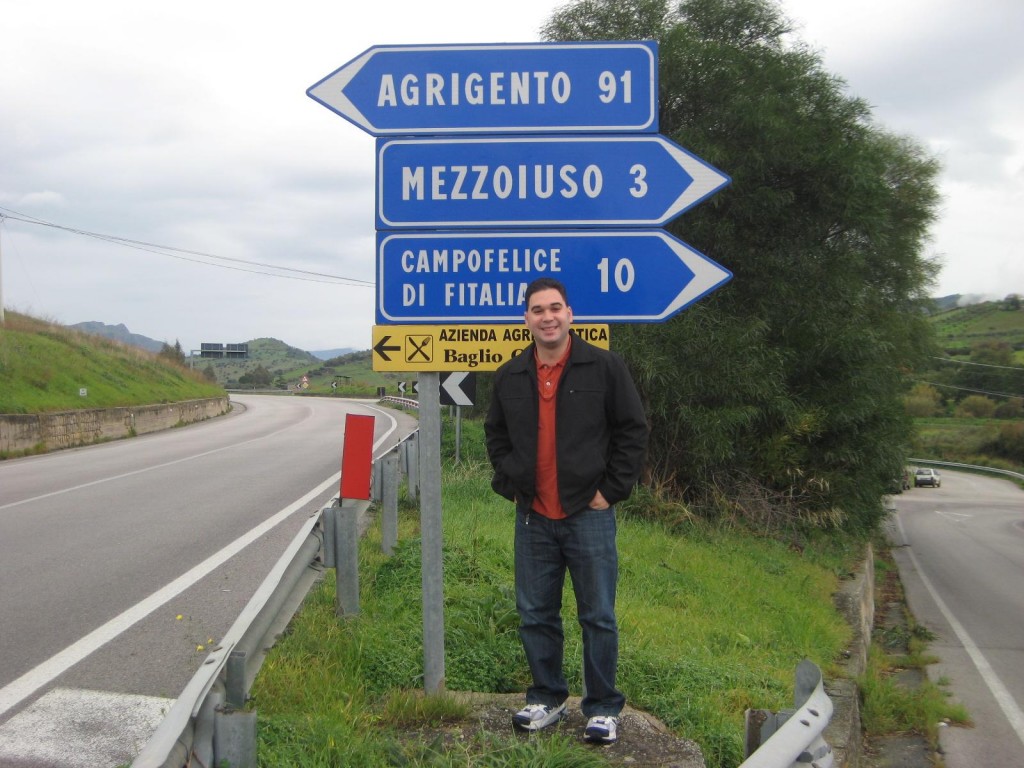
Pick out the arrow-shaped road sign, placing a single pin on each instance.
(502, 88)
(613, 276)
(458, 388)
(568, 181)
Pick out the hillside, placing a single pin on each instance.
(957, 329)
(353, 372)
(46, 367)
(274, 355)
(286, 365)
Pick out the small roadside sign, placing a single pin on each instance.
(458, 388)
(440, 348)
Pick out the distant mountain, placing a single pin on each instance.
(943, 303)
(119, 333)
(328, 354)
(954, 300)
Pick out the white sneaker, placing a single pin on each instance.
(602, 729)
(533, 717)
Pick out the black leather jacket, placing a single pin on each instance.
(600, 426)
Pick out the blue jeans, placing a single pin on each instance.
(583, 544)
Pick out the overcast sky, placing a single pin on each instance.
(186, 124)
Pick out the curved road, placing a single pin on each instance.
(120, 563)
(960, 552)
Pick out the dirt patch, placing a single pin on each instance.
(643, 739)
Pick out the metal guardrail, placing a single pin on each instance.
(207, 720)
(975, 467)
(792, 738)
(408, 402)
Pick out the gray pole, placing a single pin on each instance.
(430, 532)
(346, 557)
(1, 270)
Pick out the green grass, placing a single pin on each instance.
(890, 706)
(44, 367)
(712, 622)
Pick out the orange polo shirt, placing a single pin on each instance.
(546, 501)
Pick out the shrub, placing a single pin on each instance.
(1009, 444)
(976, 407)
(1011, 409)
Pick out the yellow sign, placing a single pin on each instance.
(441, 348)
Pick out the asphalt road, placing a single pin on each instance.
(121, 563)
(962, 567)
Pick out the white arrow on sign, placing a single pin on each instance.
(452, 384)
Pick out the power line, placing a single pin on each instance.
(176, 253)
(967, 389)
(983, 365)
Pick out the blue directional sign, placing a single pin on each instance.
(499, 88)
(557, 181)
(604, 181)
(614, 276)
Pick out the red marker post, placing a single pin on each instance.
(357, 457)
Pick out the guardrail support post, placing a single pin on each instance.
(234, 738)
(389, 503)
(234, 684)
(377, 482)
(346, 554)
(412, 467)
(328, 521)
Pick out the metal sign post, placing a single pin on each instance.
(431, 533)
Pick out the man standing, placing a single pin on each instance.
(566, 435)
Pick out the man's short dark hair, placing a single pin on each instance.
(543, 284)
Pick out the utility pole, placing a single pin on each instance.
(2, 217)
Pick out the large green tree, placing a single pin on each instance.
(779, 396)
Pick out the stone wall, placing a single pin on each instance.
(856, 601)
(21, 433)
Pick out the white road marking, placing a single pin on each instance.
(956, 517)
(36, 678)
(1002, 695)
(81, 729)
